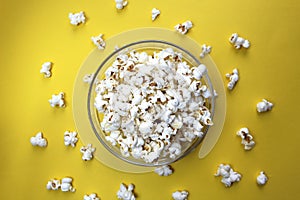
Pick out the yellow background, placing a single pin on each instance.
(35, 31)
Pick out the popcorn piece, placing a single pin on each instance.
(205, 50)
(126, 193)
(247, 139)
(46, 69)
(92, 196)
(98, 41)
(66, 185)
(88, 78)
(239, 42)
(228, 175)
(184, 27)
(70, 138)
(120, 4)
(180, 195)
(87, 152)
(199, 71)
(155, 13)
(77, 18)
(233, 78)
(261, 178)
(264, 106)
(57, 100)
(53, 184)
(164, 170)
(38, 140)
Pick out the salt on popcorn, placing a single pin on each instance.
(120, 4)
(261, 178)
(180, 195)
(87, 152)
(164, 170)
(155, 13)
(184, 27)
(126, 193)
(92, 196)
(65, 184)
(228, 175)
(46, 69)
(70, 138)
(205, 50)
(264, 106)
(77, 18)
(38, 140)
(57, 100)
(233, 78)
(98, 41)
(238, 42)
(247, 138)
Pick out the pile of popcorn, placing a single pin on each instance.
(154, 106)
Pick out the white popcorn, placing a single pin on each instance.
(228, 175)
(46, 69)
(98, 41)
(247, 139)
(38, 140)
(261, 178)
(70, 138)
(53, 184)
(164, 170)
(175, 150)
(88, 78)
(205, 50)
(77, 18)
(264, 106)
(126, 193)
(239, 42)
(57, 100)
(184, 27)
(120, 4)
(92, 196)
(180, 195)
(199, 71)
(155, 13)
(233, 78)
(66, 185)
(87, 152)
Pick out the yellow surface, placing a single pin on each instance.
(33, 32)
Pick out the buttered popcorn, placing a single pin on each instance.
(154, 105)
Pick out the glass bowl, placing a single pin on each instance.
(95, 117)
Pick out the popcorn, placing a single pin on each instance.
(180, 195)
(53, 184)
(120, 4)
(38, 140)
(87, 152)
(77, 18)
(239, 42)
(264, 106)
(164, 170)
(88, 78)
(205, 50)
(98, 41)
(92, 196)
(233, 78)
(184, 27)
(57, 100)
(126, 193)
(261, 178)
(70, 138)
(247, 139)
(199, 71)
(155, 13)
(46, 69)
(65, 184)
(228, 175)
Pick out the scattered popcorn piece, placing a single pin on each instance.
(120, 4)
(66, 185)
(70, 138)
(261, 178)
(98, 41)
(88, 78)
(46, 69)
(164, 170)
(205, 50)
(77, 18)
(239, 41)
(126, 193)
(264, 106)
(87, 152)
(53, 184)
(228, 175)
(233, 78)
(180, 195)
(247, 139)
(184, 27)
(38, 140)
(92, 196)
(155, 13)
(57, 100)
